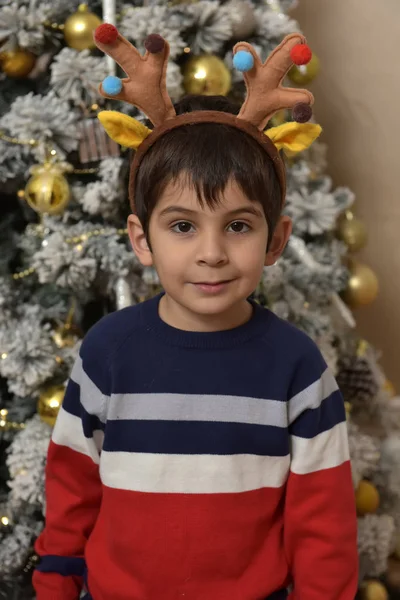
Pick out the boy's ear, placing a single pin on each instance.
(138, 241)
(279, 240)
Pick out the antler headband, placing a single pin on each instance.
(145, 88)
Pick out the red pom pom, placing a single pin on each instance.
(106, 33)
(301, 54)
(154, 43)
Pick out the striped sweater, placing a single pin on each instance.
(198, 466)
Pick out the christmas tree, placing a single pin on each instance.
(65, 260)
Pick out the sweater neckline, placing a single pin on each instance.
(199, 339)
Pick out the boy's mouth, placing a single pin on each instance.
(212, 286)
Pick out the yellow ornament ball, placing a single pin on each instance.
(367, 498)
(362, 287)
(206, 74)
(374, 590)
(352, 232)
(347, 407)
(304, 74)
(79, 27)
(17, 63)
(390, 389)
(47, 192)
(50, 401)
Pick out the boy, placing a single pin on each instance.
(201, 450)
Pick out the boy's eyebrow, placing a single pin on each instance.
(253, 210)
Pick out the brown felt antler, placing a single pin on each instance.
(265, 93)
(145, 87)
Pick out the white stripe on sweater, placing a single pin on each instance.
(325, 451)
(68, 432)
(312, 396)
(192, 474)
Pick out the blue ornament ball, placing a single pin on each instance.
(243, 60)
(112, 85)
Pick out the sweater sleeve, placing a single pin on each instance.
(73, 488)
(320, 526)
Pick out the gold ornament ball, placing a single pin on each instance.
(304, 74)
(347, 407)
(362, 287)
(374, 590)
(79, 27)
(206, 74)
(391, 391)
(49, 403)
(367, 498)
(352, 232)
(47, 192)
(17, 63)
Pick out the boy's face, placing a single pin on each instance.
(208, 260)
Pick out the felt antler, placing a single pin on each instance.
(145, 86)
(265, 93)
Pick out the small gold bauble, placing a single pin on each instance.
(304, 74)
(206, 74)
(17, 63)
(367, 498)
(347, 407)
(47, 192)
(49, 403)
(362, 287)
(374, 590)
(391, 391)
(5, 523)
(79, 27)
(352, 232)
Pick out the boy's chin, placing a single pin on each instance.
(213, 304)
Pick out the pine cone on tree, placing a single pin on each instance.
(357, 380)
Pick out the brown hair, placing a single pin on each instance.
(209, 155)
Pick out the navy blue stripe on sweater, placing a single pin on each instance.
(186, 437)
(312, 422)
(63, 565)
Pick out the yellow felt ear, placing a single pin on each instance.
(123, 129)
(293, 137)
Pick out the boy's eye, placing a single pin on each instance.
(182, 227)
(239, 227)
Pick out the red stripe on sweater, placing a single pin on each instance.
(321, 529)
(73, 492)
(214, 546)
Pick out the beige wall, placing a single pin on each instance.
(357, 102)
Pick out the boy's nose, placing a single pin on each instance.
(211, 250)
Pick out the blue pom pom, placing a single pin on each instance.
(243, 60)
(112, 85)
